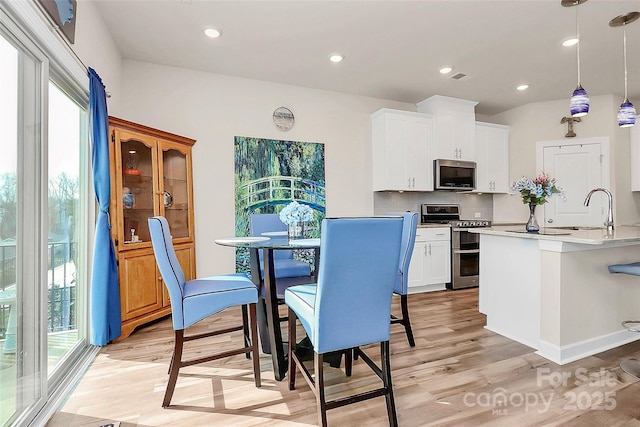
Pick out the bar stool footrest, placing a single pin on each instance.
(631, 367)
(631, 325)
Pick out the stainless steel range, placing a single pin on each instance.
(465, 246)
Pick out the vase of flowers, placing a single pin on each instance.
(296, 216)
(536, 192)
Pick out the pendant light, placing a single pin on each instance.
(579, 102)
(627, 112)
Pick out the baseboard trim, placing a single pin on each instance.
(576, 351)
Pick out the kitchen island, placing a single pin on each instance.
(552, 291)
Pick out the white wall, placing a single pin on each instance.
(541, 122)
(212, 109)
(95, 47)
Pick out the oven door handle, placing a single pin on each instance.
(466, 251)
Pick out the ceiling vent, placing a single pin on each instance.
(458, 76)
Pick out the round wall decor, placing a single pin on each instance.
(283, 118)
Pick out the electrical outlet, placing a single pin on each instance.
(478, 215)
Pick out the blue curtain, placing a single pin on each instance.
(105, 292)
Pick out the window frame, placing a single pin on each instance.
(24, 25)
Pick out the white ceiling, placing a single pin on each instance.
(393, 48)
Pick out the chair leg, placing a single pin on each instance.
(348, 362)
(386, 374)
(245, 330)
(254, 343)
(176, 361)
(292, 343)
(319, 382)
(405, 320)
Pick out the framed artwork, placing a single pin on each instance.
(270, 174)
(63, 13)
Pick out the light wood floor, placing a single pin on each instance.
(459, 374)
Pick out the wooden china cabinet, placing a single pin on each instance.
(151, 175)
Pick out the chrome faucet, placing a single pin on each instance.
(609, 222)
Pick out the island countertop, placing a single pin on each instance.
(579, 235)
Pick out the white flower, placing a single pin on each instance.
(295, 212)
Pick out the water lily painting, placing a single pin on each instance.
(270, 175)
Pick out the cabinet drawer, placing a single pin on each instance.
(436, 233)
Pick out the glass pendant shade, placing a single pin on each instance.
(579, 102)
(626, 114)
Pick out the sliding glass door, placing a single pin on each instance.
(9, 401)
(66, 131)
(44, 232)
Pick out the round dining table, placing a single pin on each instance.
(270, 332)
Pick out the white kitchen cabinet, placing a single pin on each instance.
(430, 266)
(454, 123)
(401, 147)
(492, 158)
(634, 138)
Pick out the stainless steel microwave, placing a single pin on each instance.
(454, 175)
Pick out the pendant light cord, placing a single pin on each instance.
(624, 44)
(579, 41)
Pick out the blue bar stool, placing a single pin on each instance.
(631, 367)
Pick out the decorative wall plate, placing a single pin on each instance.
(283, 118)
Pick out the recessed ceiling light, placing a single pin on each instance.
(523, 87)
(446, 70)
(336, 57)
(214, 33)
(570, 42)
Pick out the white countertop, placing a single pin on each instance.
(585, 236)
(430, 225)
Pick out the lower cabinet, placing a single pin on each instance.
(430, 267)
(143, 296)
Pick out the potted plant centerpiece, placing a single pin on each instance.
(296, 216)
(536, 192)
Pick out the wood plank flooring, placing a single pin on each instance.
(459, 374)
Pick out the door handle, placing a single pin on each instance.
(550, 220)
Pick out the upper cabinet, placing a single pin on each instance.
(454, 127)
(634, 137)
(492, 158)
(401, 151)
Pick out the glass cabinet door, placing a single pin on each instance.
(175, 199)
(137, 188)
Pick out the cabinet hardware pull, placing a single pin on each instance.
(429, 248)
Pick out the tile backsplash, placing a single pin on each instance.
(471, 204)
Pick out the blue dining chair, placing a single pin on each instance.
(195, 300)
(350, 306)
(410, 225)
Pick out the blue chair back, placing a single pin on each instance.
(262, 223)
(169, 267)
(409, 227)
(358, 267)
